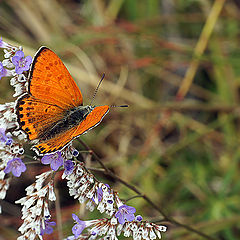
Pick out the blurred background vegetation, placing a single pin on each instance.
(176, 63)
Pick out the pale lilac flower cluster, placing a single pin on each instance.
(35, 210)
(14, 64)
(10, 153)
(86, 188)
(111, 229)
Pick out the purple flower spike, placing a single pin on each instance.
(16, 166)
(79, 227)
(3, 71)
(68, 166)
(48, 227)
(55, 160)
(21, 64)
(125, 213)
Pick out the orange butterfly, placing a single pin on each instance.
(51, 113)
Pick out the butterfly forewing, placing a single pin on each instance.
(49, 80)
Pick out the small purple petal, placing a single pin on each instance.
(19, 54)
(75, 218)
(48, 227)
(129, 217)
(77, 228)
(69, 167)
(8, 168)
(21, 64)
(3, 136)
(125, 212)
(16, 166)
(46, 159)
(3, 71)
(121, 219)
(55, 160)
(28, 60)
(129, 208)
(99, 194)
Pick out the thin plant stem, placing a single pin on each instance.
(58, 214)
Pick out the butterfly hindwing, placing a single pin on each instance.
(35, 116)
(56, 143)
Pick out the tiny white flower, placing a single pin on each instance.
(81, 199)
(30, 189)
(45, 209)
(79, 171)
(101, 207)
(42, 192)
(39, 203)
(119, 229)
(90, 206)
(152, 234)
(145, 233)
(52, 196)
(127, 233)
(114, 221)
(30, 202)
(7, 63)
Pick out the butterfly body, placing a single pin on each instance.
(51, 113)
(71, 118)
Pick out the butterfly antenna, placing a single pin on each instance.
(96, 90)
(119, 106)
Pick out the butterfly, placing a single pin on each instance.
(51, 113)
